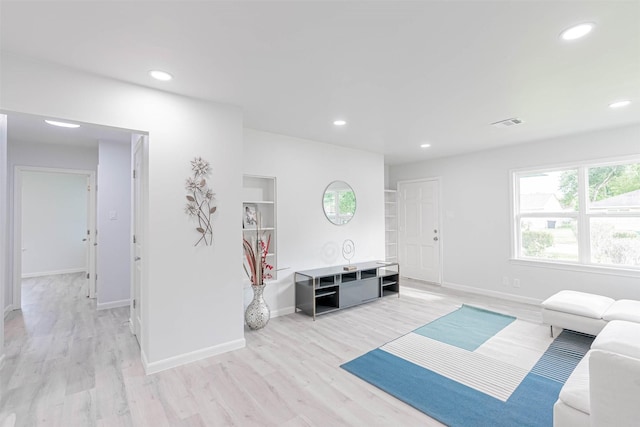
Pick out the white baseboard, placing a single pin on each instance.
(283, 311)
(489, 293)
(113, 304)
(8, 309)
(143, 359)
(53, 273)
(183, 359)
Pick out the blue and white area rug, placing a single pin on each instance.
(474, 367)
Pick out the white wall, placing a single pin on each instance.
(305, 238)
(4, 209)
(54, 222)
(476, 216)
(33, 153)
(192, 297)
(42, 154)
(114, 224)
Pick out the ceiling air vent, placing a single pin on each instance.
(506, 123)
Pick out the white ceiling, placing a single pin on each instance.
(31, 128)
(400, 73)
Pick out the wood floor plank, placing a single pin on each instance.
(68, 364)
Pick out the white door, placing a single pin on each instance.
(138, 237)
(419, 230)
(91, 238)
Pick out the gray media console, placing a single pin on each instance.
(323, 290)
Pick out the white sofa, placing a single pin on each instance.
(587, 313)
(604, 389)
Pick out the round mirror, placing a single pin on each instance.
(339, 202)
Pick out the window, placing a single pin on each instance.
(585, 214)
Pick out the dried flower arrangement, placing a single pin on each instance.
(199, 199)
(255, 251)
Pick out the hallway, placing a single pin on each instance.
(65, 361)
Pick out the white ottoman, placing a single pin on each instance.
(624, 309)
(576, 311)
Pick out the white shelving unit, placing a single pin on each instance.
(391, 225)
(259, 196)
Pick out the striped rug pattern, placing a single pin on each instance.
(512, 378)
(485, 374)
(562, 356)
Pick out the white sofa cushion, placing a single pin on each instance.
(615, 387)
(567, 416)
(575, 392)
(572, 322)
(578, 303)
(624, 309)
(621, 337)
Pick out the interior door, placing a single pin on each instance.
(419, 230)
(91, 239)
(136, 317)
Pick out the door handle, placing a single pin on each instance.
(137, 258)
(435, 239)
(84, 240)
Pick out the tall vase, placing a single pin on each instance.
(257, 313)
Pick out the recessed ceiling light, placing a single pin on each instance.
(339, 122)
(620, 104)
(425, 145)
(160, 75)
(62, 124)
(507, 122)
(577, 31)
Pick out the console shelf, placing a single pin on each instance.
(323, 290)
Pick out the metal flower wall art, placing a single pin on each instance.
(200, 199)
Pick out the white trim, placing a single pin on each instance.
(608, 161)
(54, 273)
(138, 215)
(581, 268)
(17, 221)
(584, 226)
(283, 311)
(514, 234)
(183, 359)
(8, 309)
(113, 304)
(495, 294)
(5, 234)
(144, 360)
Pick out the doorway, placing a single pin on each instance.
(105, 153)
(54, 225)
(419, 236)
(139, 236)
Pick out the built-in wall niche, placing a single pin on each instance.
(391, 225)
(259, 208)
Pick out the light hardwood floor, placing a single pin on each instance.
(70, 365)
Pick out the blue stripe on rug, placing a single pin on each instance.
(562, 356)
(454, 404)
(467, 328)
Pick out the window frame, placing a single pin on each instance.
(583, 215)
